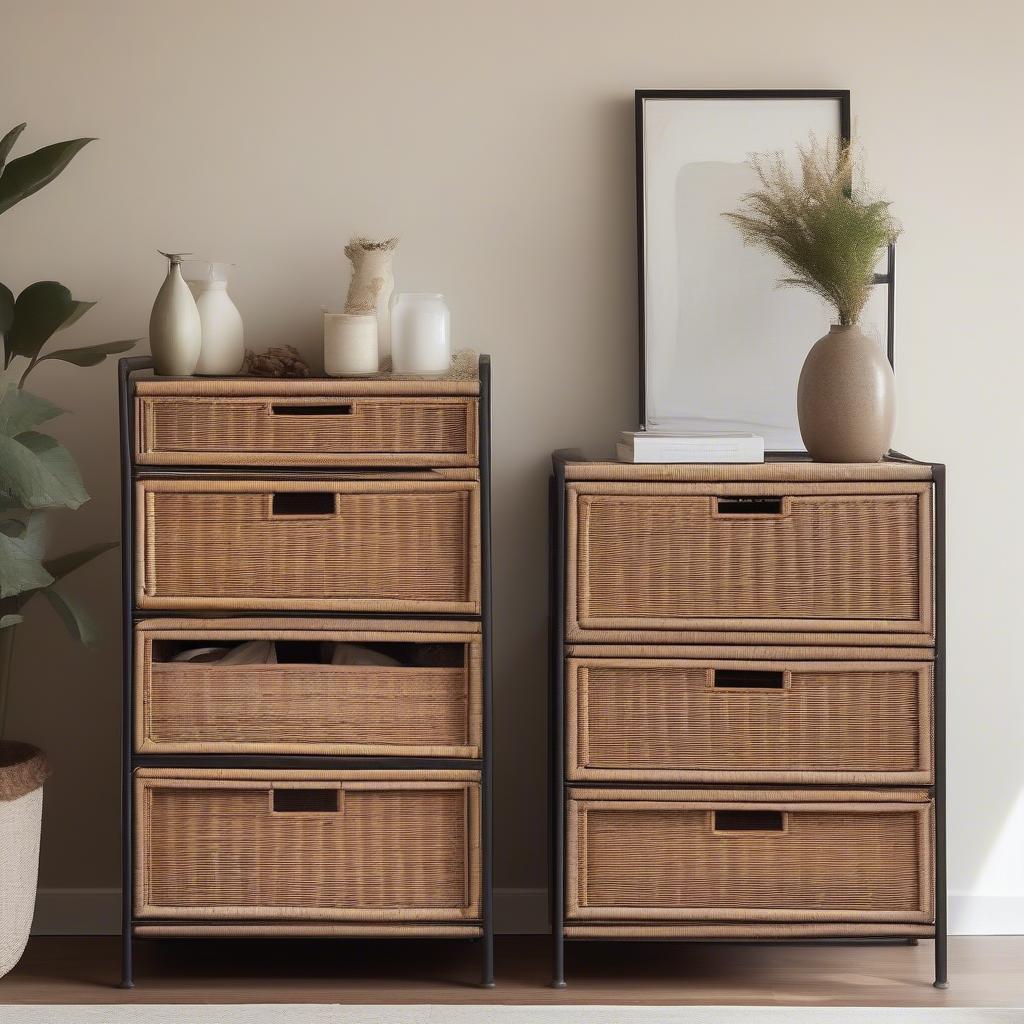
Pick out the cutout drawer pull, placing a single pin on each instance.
(749, 821)
(749, 506)
(303, 503)
(748, 679)
(306, 801)
(342, 409)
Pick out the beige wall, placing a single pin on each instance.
(497, 140)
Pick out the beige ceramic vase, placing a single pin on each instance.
(846, 398)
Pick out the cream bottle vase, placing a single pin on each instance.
(175, 330)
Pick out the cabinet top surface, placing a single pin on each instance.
(463, 379)
(787, 466)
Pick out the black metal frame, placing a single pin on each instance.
(130, 614)
(842, 96)
(556, 729)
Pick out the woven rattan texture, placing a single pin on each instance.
(656, 556)
(650, 855)
(253, 431)
(195, 707)
(391, 546)
(762, 931)
(393, 850)
(282, 929)
(665, 720)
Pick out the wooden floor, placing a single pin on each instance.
(984, 971)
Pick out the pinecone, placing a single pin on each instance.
(283, 361)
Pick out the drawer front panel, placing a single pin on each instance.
(306, 431)
(717, 720)
(416, 694)
(369, 545)
(329, 845)
(735, 556)
(740, 855)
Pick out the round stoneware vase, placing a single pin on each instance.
(846, 398)
(22, 772)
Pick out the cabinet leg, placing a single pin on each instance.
(557, 961)
(487, 965)
(941, 977)
(127, 972)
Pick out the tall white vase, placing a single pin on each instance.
(175, 330)
(223, 348)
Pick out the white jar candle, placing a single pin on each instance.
(420, 334)
(350, 344)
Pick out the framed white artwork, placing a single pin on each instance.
(721, 344)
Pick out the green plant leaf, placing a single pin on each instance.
(64, 565)
(9, 620)
(90, 355)
(21, 410)
(20, 570)
(79, 624)
(8, 141)
(40, 472)
(28, 174)
(6, 308)
(40, 310)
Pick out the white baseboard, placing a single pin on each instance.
(98, 911)
(972, 913)
(516, 912)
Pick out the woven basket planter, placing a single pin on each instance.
(23, 770)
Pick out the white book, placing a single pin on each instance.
(655, 446)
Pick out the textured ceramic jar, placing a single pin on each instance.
(846, 398)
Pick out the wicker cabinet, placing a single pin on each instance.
(747, 702)
(307, 657)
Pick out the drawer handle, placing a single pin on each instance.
(749, 506)
(344, 409)
(748, 679)
(749, 821)
(305, 801)
(303, 503)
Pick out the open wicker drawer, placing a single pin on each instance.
(401, 543)
(421, 699)
(334, 428)
(664, 855)
(743, 718)
(369, 846)
(749, 556)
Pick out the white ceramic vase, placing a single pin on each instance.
(223, 337)
(175, 330)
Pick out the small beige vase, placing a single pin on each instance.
(23, 770)
(846, 398)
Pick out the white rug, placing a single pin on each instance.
(283, 1013)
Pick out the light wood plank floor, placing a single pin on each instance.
(984, 971)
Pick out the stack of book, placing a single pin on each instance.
(658, 446)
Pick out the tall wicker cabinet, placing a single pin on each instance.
(747, 700)
(336, 780)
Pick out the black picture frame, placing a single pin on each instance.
(841, 96)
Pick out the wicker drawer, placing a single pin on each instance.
(343, 845)
(735, 720)
(409, 544)
(758, 556)
(749, 855)
(320, 430)
(427, 705)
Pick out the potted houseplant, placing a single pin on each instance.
(37, 473)
(830, 232)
